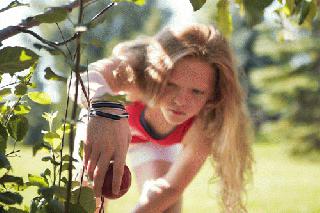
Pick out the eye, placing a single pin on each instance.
(170, 84)
(197, 92)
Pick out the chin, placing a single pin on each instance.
(175, 119)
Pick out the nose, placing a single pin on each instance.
(181, 98)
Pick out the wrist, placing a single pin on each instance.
(99, 109)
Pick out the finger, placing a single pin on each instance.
(100, 172)
(92, 161)
(118, 168)
(87, 148)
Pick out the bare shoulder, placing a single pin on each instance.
(114, 73)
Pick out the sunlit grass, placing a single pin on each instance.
(280, 184)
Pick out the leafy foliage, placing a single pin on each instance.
(289, 92)
(283, 89)
(15, 59)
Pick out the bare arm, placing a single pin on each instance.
(105, 139)
(165, 191)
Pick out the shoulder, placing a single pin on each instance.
(115, 73)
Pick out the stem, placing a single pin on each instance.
(102, 12)
(64, 130)
(9, 84)
(73, 116)
(54, 169)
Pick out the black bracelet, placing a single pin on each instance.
(94, 113)
(107, 104)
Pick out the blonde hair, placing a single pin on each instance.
(224, 118)
(133, 67)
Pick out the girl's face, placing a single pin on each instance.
(188, 89)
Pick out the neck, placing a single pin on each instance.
(155, 119)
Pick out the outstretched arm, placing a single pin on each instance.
(159, 194)
(106, 139)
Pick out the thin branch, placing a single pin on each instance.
(64, 129)
(69, 51)
(101, 12)
(12, 5)
(74, 110)
(9, 84)
(31, 22)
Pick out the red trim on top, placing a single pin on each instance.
(139, 134)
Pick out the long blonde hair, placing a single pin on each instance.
(225, 118)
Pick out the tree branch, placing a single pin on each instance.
(30, 22)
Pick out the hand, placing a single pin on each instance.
(151, 189)
(106, 140)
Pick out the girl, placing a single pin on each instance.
(186, 105)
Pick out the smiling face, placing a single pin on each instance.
(188, 89)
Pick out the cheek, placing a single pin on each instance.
(197, 105)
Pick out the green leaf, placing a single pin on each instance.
(46, 174)
(49, 158)
(15, 210)
(11, 179)
(305, 8)
(50, 75)
(60, 192)
(311, 14)
(40, 147)
(59, 131)
(254, 10)
(4, 109)
(3, 139)
(10, 198)
(197, 4)
(15, 59)
(65, 167)
(77, 208)
(55, 206)
(87, 200)
(21, 89)
(47, 193)
(53, 139)
(40, 97)
(21, 109)
(67, 158)
(53, 15)
(224, 18)
(50, 116)
(36, 181)
(4, 92)
(18, 127)
(4, 163)
(137, 2)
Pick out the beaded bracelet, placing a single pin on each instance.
(106, 104)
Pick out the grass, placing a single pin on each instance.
(280, 184)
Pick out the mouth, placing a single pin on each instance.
(177, 112)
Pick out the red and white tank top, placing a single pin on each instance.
(143, 133)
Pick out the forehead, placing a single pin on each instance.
(193, 72)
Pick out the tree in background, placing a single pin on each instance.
(282, 61)
(290, 87)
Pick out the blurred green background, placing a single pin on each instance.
(279, 65)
